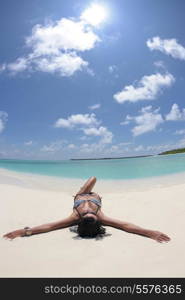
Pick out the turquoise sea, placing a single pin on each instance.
(127, 168)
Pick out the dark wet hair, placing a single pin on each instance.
(89, 227)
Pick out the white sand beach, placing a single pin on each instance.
(30, 200)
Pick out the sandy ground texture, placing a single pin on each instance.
(30, 200)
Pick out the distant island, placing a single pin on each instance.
(174, 151)
(124, 157)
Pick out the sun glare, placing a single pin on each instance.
(94, 15)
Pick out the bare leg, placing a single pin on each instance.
(88, 186)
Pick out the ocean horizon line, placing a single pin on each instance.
(74, 158)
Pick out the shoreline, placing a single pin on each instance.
(31, 200)
(37, 181)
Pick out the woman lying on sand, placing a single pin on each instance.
(89, 218)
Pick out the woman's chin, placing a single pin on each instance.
(89, 215)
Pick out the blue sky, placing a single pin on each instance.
(85, 79)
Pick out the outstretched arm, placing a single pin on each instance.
(131, 228)
(69, 221)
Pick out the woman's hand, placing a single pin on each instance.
(14, 234)
(159, 236)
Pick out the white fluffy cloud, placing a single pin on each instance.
(78, 119)
(147, 121)
(87, 123)
(147, 88)
(65, 64)
(3, 120)
(56, 48)
(167, 46)
(65, 34)
(101, 131)
(176, 114)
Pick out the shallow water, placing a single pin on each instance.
(127, 168)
